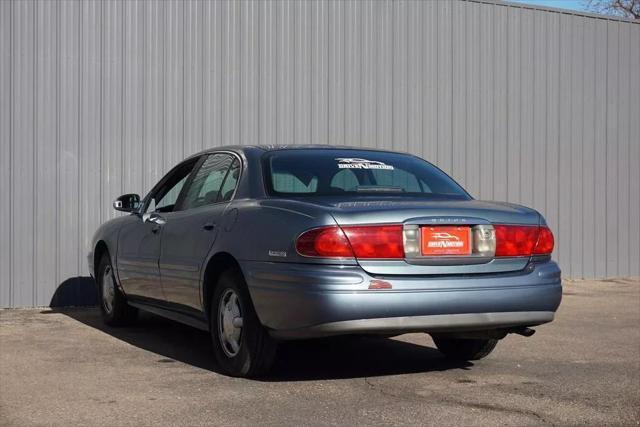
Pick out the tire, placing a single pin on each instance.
(465, 349)
(241, 348)
(113, 304)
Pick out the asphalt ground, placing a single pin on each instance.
(63, 367)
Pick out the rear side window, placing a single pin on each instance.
(229, 184)
(207, 184)
(316, 172)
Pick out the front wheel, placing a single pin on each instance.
(242, 346)
(465, 349)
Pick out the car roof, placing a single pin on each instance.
(266, 148)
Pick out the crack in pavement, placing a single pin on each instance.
(412, 396)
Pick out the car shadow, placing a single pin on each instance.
(319, 359)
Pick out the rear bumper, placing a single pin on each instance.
(302, 301)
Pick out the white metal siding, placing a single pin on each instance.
(531, 106)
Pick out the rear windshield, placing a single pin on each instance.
(316, 172)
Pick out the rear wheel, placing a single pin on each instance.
(465, 349)
(242, 346)
(113, 304)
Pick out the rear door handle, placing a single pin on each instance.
(209, 226)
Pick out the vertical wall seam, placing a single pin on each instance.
(533, 108)
(606, 145)
(582, 114)
(451, 99)
(123, 85)
(57, 83)
(407, 70)
(11, 150)
(493, 102)
(34, 193)
(163, 91)
(568, 248)
(328, 124)
(559, 68)
(184, 108)
(200, 37)
(241, 102)
(546, 115)
(595, 143)
(518, 133)
(143, 92)
(259, 78)
(101, 121)
(393, 76)
(507, 127)
(80, 246)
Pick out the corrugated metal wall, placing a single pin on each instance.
(101, 98)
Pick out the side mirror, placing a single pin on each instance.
(127, 203)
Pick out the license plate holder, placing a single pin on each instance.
(445, 240)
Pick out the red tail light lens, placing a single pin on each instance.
(522, 240)
(328, 242)
(376, 241)
(383, 241)
(545, 242)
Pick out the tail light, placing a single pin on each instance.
(523, 240)
(386, 241)
(545, 242)
(375, 241)
(383, 241)
(327, 242)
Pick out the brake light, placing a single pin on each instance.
(376, 241)
(368, 241)
(328, 242)
(545, 242)
(523, 240)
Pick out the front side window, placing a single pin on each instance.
(208, 182)
(315, 172)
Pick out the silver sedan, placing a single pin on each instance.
(262, 244)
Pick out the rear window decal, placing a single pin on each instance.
(357, 163)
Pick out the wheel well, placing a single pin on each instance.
(218, 264)
(101, 249)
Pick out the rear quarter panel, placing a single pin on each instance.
(266, 230)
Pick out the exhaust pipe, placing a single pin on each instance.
(525, 332)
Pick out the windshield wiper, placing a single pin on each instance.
(378, 189)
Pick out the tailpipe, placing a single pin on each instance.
(525, 332)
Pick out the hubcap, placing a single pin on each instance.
(230, 323)
(108, 289)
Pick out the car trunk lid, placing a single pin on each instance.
(445, 232)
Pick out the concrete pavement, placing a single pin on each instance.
(66, 368)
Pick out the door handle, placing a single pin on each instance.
(209, 226)
(154, 218)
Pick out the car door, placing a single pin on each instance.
(139, 243)
(191, 229)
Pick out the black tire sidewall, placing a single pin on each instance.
(121, 314)
(104, 263)
(244, 362)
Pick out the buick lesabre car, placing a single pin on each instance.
(262, 244)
